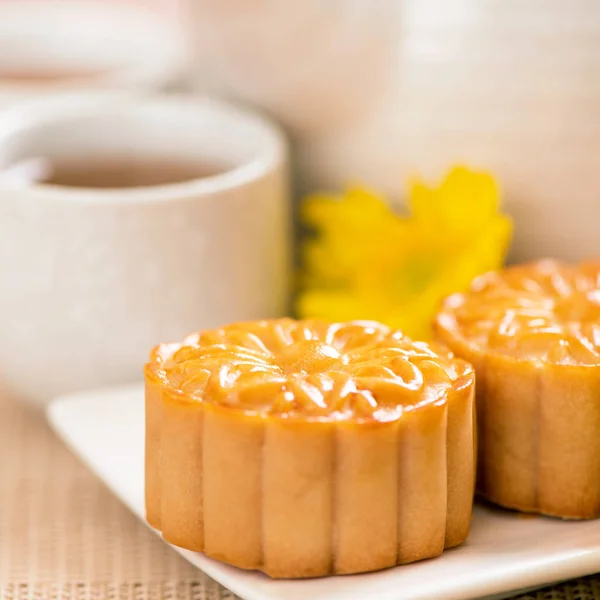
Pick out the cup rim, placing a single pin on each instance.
(28, 115)
(163, 57)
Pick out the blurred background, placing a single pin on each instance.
(491, 109)
(376, 92)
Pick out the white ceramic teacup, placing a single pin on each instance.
(91, 279)
(67, 45)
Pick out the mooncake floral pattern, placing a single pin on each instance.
(547, 311)
(310, 368)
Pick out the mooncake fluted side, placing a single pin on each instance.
(508, 474)
(298, 501)
(153, 423)
(422, 483)
(569, 442)
(181, 471)
(462, 457)
(365, 509)
(302, 499)
(538, 428)
(232, 487)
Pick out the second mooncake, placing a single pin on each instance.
(532, 333)
(301, 448)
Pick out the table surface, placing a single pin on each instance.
(63, 536)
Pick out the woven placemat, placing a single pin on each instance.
(63, 536)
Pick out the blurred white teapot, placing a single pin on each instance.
(378, 91)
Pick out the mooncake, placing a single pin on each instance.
(532, 333)
(303, 448)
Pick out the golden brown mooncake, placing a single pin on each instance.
(532, 333)
(302, 449)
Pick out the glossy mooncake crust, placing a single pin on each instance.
(532, 333)
(304, 449)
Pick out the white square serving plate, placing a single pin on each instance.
(505, 552)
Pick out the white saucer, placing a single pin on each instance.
(504, 554)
